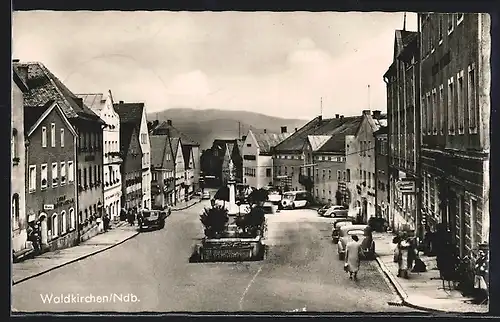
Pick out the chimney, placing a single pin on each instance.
(376, 114)
(283, 129)
(265, 131)
(337, 116)
(367, 112)
(169, 122)
(341, 117)
(295, 129)
(121, 102)
(320, 118)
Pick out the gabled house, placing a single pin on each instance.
(131, 153)
(257, 157)
(18, 165)
(162, 172)
(180, 170)
(45, 87)
(51, 192)
(102, 105)
(158, 128)
(360, 160)
(223, 151)
(187, 153)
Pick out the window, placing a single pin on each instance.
(424, 115)
(451, 23)
(460, 102)
(286, 171)
(475, 235)
(53, 135)
(15, 211)
(441, 108)
(324, 173)
(348, 175)
(460, 18)
(364, 176)
(64, 222)
(63, 173)
(440, 28)
(429, 114)
(317, 173)
(62, 138)
(451, 107)
(249, 145)
(472, 102)
(44, 137)
(369, 179)
(55, 178)
(32, 178)
(72, 219)
(14, 144)
(338, 175)
(43, 176)
(268, 172)
(434, 112)
(71, 172)
(54, 226)
(85, 177)
(329, 174)
(368, 148)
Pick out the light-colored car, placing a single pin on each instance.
(364, 234)
(295, 199)
(337, 225)
(337, 211)
(205, 195)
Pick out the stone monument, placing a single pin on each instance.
(232, 207)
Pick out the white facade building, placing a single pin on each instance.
(102, 105)
(146, 161)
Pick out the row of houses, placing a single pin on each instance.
(438, 104)
(78, 157)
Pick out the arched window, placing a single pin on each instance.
(55, 225)
(15, 211)
(64, 222)
(14, 143)
(72, 219)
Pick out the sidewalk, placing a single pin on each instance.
(185, 205)
(49, 261)
(422, 291)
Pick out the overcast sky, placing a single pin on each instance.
(273, 63)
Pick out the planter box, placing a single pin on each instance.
(231, 249)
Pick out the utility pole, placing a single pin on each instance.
(321, 107)
(239, 130)
(404, 21)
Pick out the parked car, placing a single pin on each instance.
(337, 225)
(152, 219)
(364, 233)
(274, 197)
(323, 210)
(295, 199)
(337, 211)
(205, 195)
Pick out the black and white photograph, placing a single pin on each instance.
(250, 162)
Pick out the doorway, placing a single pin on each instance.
(43, 228)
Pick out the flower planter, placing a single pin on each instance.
(231, 249)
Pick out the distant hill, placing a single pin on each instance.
(204, 126)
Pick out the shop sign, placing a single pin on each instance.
(48, 207)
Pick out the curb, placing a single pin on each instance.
(401, 292)
(189, 206)
(74, 260)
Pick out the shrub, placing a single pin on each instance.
(214, 220)
(251, 222)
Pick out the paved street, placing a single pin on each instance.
(301, 272)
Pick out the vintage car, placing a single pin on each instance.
(336, 211)
(295, 199)
(364, 233)
(323, 210)
(151, 219)
(337, 225)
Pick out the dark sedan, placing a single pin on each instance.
(153, 219)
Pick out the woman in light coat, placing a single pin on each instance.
(353, 257)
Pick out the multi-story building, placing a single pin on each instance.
(130, 150)
(179, 170)
(187, 153)
(258, 157)
(102, 105)
(382, 174)
(18, 165)
(161, 128)
(162, 172)
(456, 83)
(403, 111)
(360, 160)
(45, 87)
(51, 194)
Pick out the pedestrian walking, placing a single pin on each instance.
(106, 221)
(353, 255)
(131, 217)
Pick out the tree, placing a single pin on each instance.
(258, 197)
(214, 220)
